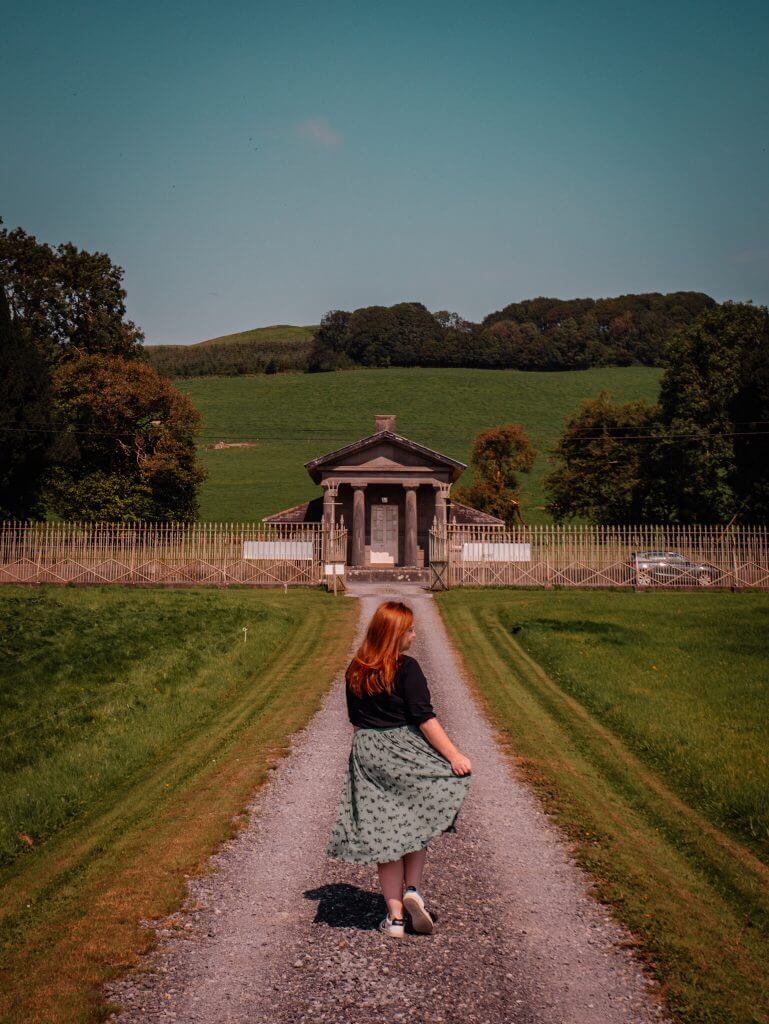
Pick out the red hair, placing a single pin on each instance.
(373, 668)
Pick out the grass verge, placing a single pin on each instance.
(73, 901)
(621, 758)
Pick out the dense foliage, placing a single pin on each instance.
(714, 410)
(603, 462)
(497, 456)
(88, 430)
(128, 449)
(540, 334)
(700, 455)
(27, 419)
(71, 301)
(553, 333)
(230, 359)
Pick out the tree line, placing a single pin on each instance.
(538, 334)
(88, 429)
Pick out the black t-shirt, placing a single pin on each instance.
(408, 704)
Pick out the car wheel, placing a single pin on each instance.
(705, 579)
(643, 579)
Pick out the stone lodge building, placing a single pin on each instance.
(386, 489)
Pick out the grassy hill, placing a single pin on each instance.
(281, 348)
(294, 417)
(270, 335)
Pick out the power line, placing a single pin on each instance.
(661, 437)
(314, 432)
(223, 435)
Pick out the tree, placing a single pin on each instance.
(411, 325)
(453, 321)
(750, 406)
(329, 344)
(128, 449)
(497, 456)
(700, 456)
(497, 501)
(27, 419)
(714, 401)
(71, 301)
(602, 462)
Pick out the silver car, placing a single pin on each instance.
(671, 568)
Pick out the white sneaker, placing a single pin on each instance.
(420, 917)
(393, 926)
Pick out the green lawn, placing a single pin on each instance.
(136, 724)
(643, 721)
(296, 417)
(98, 683)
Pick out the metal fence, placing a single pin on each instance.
(172, 554)
(275, 554)
(600, 556)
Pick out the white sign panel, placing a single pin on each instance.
(295, 550)
(495, 551)
(334, 568)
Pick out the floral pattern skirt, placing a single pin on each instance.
(397, 793)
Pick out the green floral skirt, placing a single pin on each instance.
(398, 792)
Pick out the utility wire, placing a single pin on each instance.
(202, 439)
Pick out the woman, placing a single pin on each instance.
(405, 780)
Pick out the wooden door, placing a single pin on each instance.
(384, 535)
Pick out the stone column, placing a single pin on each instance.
(410, 546)
(330, 491)
(441, 494)
(358, 524)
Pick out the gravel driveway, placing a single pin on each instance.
(279, 933)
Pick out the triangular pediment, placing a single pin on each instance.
(382, 452)
(379, 462)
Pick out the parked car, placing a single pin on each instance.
(671, 568)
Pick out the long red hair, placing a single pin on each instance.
(373, 668)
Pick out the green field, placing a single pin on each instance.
(271, 335)
(136, 725)
(295, 417)
(643, 722)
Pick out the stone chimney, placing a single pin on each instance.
(384, 423)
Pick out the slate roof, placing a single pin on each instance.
(459, 513)
(308, 512)
(314, 466)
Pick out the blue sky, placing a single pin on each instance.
(258, 163)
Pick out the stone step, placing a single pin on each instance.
(366, 574)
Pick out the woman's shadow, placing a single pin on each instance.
(341, 905)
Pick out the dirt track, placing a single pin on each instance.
(279, 933)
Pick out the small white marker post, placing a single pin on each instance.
(245, 633)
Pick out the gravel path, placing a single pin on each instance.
(278, 933)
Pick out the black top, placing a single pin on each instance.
(408, 704)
